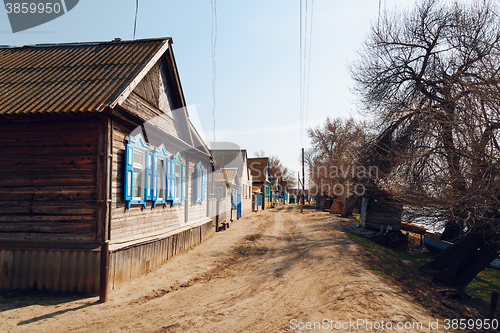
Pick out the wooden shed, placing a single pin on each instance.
(96, 151)
(237, 159)
(380, 214)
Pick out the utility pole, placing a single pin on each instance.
(299, 192)
(303, 184)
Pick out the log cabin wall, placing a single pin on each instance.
(48, 179)
(48, 202)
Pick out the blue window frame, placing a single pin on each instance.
(138, 172)
(178, 179)
(161, 176)
(200, 182)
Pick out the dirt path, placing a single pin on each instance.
(273, 271)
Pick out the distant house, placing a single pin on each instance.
(236, 159)
(96, 151)
(261, 182)
(225, 189)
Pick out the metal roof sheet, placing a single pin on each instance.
(225, 175)
(77, 77)
(229, 158)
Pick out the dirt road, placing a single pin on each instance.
(272, 271)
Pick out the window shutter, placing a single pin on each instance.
(183, 182)
(203, 186)
(129, 172)
(154, 181)
(149, 176)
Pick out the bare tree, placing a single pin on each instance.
(332, 158)
(431, 77)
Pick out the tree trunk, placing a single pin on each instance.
(477, 262)
(458, 264)
(452, 231)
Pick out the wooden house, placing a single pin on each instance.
(96, 152)
(261, 181)
(225, 190)
(237, 159)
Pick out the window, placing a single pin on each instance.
(138, 172)
(153, 176)
(178, 178)
(200, 182)
(138, 183)
(161, 182)
(161, 177)
(234, 199)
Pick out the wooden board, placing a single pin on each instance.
(48, 178)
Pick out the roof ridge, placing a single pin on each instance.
(115, 41)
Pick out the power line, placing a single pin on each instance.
(309, 63)
(306, 26)
(378, 19)
(304, 70)
(300, 78)
(214, 64)
(135, 20)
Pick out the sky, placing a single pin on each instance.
(257, 59)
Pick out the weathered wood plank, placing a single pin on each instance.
(46, 160)
(73, 228)
(82, 181)
(48, 198)
(45, 237)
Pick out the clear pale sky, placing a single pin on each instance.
(257, 58)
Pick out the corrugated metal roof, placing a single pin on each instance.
(225, 175)
(229, 158)
(78, 77)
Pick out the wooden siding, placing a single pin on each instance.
(137, 222)
(128, 263)
(379, 214)
(196, 211)
(48, 178)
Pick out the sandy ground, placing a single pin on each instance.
(272, 271)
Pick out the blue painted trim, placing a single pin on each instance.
(136, 142)
(177, 158)
(161, 152)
